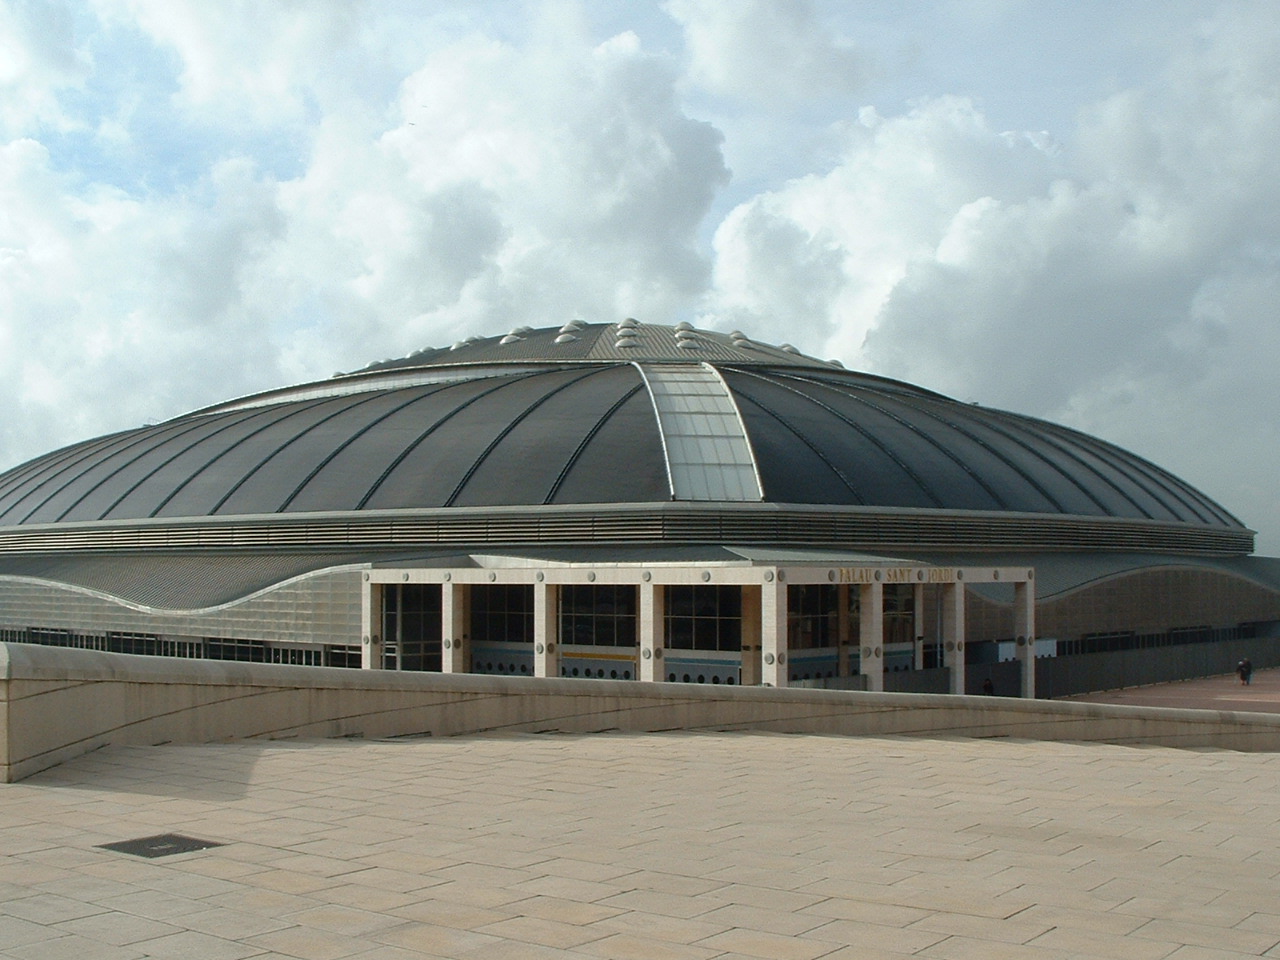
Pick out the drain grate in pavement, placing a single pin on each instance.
(164, 845)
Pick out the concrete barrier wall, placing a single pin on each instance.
(57, 703)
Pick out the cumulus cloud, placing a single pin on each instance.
(513, 185)
(1122, 285)
(496, 183)
(116, 311)
(825, 253)
(772, 52)
(40, 56)
(250, 62)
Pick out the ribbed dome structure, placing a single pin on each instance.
(606, 414)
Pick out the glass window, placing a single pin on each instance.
(601, 616)
(502, 613)
(812, 616)
(703, 618)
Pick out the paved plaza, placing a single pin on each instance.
(1226, 692)
(647, 846)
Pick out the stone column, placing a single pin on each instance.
(773, 633)
(454, 628)
(399, 636)
(953, 633)
(546, 640)
(871, 633)
(751, 633)
(917, 625)
(843, 638)
(371, 626)
(1024, 626)
(652, 632)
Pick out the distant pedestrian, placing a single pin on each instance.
(1244, 670)
(988, 687)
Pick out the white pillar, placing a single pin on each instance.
(1024, 627)
(917, 625)
(546, 646)
(398, 592)
(371, 626)
(773, 633)
(454, 628)
(842, 630)
(953, 633)
(749, 664)
(871, 633)
(652, 630)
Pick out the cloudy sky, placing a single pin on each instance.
(1067, 208)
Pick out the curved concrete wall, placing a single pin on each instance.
(57, 703)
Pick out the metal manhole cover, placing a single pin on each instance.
(164, 845)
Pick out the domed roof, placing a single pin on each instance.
(622, 413)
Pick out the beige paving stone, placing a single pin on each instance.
(189, 945)
(665, 928)
(14, 931)
(662, 904)
(344, 920)
(70, 948)
(47, 908)
(359, 897)
(758, 943)
(384, 952)
(1268, 923)
(218, 921)
(575, 869)
(289, 881)
(1223, 912)
(435, 939)
(624, 946)
(859, 933)
(968, 948)
(152, 904)
(1018, 929)
(547, 933)
(307, 943)
(315, 865)
(567, 888)
(1200, 935)
(266, 903)
(1208, 953)
(764, 896)
(561, 910)
(688, 886)
(841, 908)
(472, 893)
(1091, 943)
(860, 952)
(119, 929)
(447, 913)
(783, 922)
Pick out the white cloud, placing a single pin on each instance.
(40, 56)
(824, 253)
(505, 183)
(252, 62)
(772, 52)
(120, 310)
(517, 185)
(1121, 286)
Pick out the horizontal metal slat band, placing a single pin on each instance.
(775, 527)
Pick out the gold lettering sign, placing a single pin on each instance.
(896, 574)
